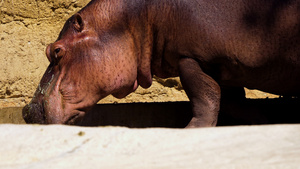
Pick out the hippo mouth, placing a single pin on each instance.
(75, 119)
(34, 113)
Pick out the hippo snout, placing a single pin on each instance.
(33, 113)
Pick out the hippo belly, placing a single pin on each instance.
(280, 79)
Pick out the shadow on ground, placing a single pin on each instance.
(178, 114)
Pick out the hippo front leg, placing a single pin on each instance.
(203, 92)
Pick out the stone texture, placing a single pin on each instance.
(56, 146)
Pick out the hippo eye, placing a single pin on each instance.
(78, 22)
(57, 50)
(58, 53)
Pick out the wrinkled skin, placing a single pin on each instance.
(85, 67)
(112, 46)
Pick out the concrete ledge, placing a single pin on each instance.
(57, 146)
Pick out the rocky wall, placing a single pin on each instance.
(26, 27)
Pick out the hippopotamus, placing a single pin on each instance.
(216, 48)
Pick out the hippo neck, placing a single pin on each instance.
(163, 22)
(157, 27)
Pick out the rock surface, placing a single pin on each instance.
(56, 146)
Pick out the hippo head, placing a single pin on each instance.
(92, 58)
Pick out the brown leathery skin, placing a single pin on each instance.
(112, 46)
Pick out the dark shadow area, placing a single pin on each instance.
(178, 114)
(262, 111)
(139, 115)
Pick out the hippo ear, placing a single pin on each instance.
(78, 22)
